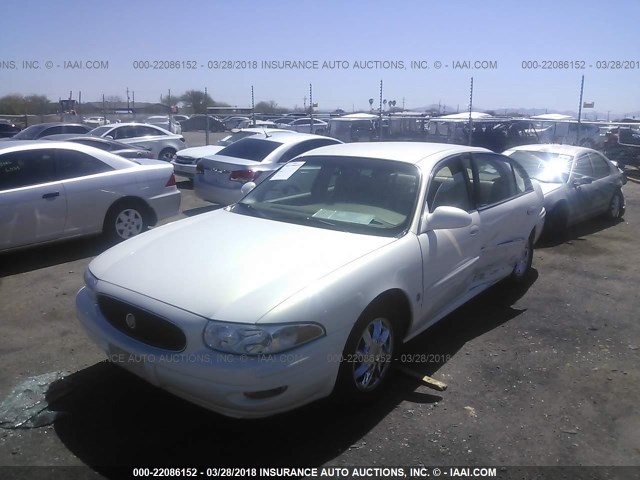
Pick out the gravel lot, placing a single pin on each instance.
(544, 375)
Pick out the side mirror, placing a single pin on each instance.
(576, 182)
(247, 187)
(109, 137)
(445, 218)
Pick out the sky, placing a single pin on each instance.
(570, 37)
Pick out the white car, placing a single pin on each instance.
(163, 143)
(96, 121)
(314, 279)
(56, 190)
(303, 125)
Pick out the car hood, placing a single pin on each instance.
(228, 266)
(199, 152)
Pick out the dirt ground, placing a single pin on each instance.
(543, 375)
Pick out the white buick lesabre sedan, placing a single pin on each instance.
(51, 191)
(313, 280)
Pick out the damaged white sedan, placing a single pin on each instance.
(311, 282)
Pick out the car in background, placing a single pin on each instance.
(352, 129)
(184, 161)
(94, 122)
(622, 145)
(311, 283)
(258, 124)
(8, 129)
(578, 183)
(180, 118)
(51, 191)
(233, 122)
(283, 121)
(199, 123)
(165, 122)
(40, 130)
(112, 146)
(566, 132)
(303, 125)
(163, 144)
(220, 177)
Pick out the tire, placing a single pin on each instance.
(125, 220)
(166, 154)
(616, 207)
(367, 364)
(557, 220)
(523, 266)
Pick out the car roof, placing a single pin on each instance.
(553, 148)
(407, 152)
(285, 136)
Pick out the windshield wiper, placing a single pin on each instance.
(250, 209)
(322, 221)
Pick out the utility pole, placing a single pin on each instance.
(580, 112)
(470, 110)
(380, 114)
(206, 118)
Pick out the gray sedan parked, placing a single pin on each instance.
(578, 183)
(163, 144)
(220, 177)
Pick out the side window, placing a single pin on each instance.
(600, 166)
(21, 169)
(124, 132)
(73, 164)
(495, 181)
(51, 131)
(142, 131)
(448, 187)
(582, 167)
(523, 182)
(74, 129)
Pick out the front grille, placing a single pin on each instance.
(142, 325)
(186, 160)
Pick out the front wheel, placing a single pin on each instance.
(367, 359)
(124, 221)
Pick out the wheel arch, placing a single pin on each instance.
(398, 301)
(150, 214)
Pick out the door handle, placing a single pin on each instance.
(474, 230)
(532, 210)
(51, 195)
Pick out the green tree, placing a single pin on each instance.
(197, 100)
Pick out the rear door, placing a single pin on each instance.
(33, 204)
(604, 181)
(582, 190)
(89, 192)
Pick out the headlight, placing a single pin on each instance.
(90, 282)
(243, 339)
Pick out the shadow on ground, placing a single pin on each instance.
(113, 418)
(21, 261)
(577, 232)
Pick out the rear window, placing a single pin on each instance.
(250, 149)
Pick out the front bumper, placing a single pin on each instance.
(185, 170)
(213, 380)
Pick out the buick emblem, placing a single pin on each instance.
(130, 320)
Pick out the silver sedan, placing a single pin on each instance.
(55, 190)
(578, 183)
(163, 144)
(220, 177)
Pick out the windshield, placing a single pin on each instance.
(544, 166)
(29, 133)
(99, 131)
(350, 194)
(250, 149)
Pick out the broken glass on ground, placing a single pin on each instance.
(27, 406)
